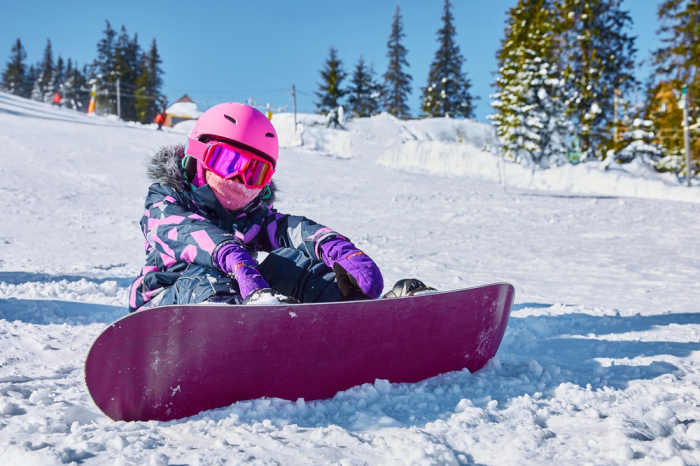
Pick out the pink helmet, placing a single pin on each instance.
(241, 124)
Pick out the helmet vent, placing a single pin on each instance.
(269, 135)
(231, 119)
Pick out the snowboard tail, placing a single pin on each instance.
(176, 361)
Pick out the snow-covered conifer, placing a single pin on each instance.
(363, 94)
(447, 92)
(397, 83)
(127, 63)
(598, 57)
(677, 63)
(30, 81)
(149, 84)
(531, 101)
(104, 67)
(74, 88)
(329, 90)
(639, 144)
(59, 73)
(376, 92)
(15, 74)
(44, 86)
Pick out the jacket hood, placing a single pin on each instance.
(165, 167)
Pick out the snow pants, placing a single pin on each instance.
(288, 271)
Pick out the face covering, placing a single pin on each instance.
(230, 193)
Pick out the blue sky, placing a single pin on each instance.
(233, 50)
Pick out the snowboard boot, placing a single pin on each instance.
(268, 297)
(408, 287)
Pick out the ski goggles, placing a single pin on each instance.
(229, 161)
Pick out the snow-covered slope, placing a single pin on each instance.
(599, 364)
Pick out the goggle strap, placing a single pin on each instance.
(196, 149)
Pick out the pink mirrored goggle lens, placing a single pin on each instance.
(227, 162)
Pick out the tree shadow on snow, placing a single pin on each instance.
(18, 278)
(56, 311)
(570, 348)
(47, 311)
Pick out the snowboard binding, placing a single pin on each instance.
(408, 287)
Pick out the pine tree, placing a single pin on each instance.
(376, 92)
(531, 101)
(330, 91)
(44, 86)
(148, 85)
(598, 56)
(676, 64)
(639, 144)
(103, 69)
(364, 93)
(15, 74)
(104, 63)
(59, 75)
(30, 82)
(127, 64)
(74, 85)
(397, 83)
(447, 92)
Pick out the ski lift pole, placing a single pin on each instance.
(294, 105)
(119, 100)
(686, 134)
(617, 97)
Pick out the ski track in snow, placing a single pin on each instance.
(598, 364)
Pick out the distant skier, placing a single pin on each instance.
(159, 120)
(210, 212)
(56, 99)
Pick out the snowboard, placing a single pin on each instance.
(172, 362)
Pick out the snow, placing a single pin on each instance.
(184, 109)
(598, 364)
(184, 127)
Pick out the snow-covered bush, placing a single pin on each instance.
(640, 137)
(531, 120)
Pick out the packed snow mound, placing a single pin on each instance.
(466, 148)
(184, 110)
(184, 127)
(367, 137)
(634, 179)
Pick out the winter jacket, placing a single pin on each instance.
(185, 225)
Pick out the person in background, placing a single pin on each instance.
(56, 99)
(159, 120)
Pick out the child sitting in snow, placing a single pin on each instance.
(210, 212)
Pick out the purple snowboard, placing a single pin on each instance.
(176, 361)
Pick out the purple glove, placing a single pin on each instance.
(233, 259)
(345, 259)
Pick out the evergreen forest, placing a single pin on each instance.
(123, 72)
(565, 90)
